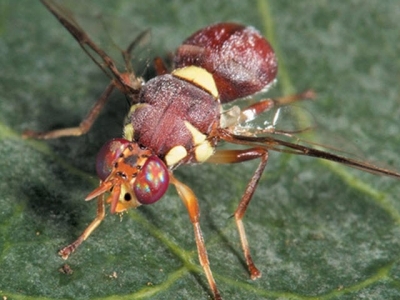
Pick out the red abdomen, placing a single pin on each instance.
(240, 59)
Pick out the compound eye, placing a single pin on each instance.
(152, 181)
(107, 156)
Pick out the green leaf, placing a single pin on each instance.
(316, 231)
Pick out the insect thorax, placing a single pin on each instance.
(175, 116)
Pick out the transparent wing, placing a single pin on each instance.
(295, 145)
(293, 129)
(285, 120)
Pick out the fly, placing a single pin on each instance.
(177, 118)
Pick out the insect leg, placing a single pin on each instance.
(83, 127)
(160, 67)
(252, 111)
(189, 199)
(65, 18)
(235, 156)
(66, 251)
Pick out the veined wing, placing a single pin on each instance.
(276, 143)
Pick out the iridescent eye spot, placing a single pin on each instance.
(107, 155)
(152, 181)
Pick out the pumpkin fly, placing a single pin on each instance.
(178, 118)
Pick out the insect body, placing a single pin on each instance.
(177, 118)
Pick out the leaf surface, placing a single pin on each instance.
(316, 230)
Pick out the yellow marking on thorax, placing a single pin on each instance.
(199, 77)
(128, 128)
(174, 155)
(202, 147)
(128, 132)
(197, 136)
(203, 151)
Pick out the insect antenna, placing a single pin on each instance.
(64, 16)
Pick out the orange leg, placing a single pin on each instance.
(190, 201)
(235, 156)
(160, 67)
(66, 251)
(254, 110)
(83, 127)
